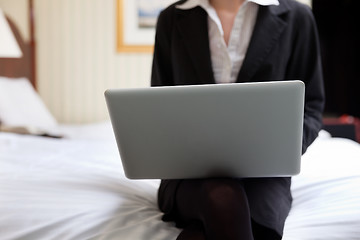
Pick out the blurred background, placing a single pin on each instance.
(77, 56)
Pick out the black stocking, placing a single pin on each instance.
(213, 209)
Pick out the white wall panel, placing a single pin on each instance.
(77, 58)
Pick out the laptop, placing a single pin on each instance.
(203, 131)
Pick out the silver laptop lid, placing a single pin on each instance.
(224, 130)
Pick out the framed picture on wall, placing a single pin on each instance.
(136, 22)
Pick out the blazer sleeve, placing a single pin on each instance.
(305, 64)
(161, 74)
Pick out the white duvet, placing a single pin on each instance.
(75, 188)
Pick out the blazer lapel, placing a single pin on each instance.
(267, 31)
(192, 25)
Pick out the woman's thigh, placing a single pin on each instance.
(218, 205)
(191, 201)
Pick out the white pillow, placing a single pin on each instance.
(20, 105)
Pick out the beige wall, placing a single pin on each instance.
(77, 58)
(76, 55)
(17, 10)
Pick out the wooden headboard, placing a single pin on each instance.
(24, 66)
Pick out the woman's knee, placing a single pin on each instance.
(226, 213)
(223, 194)
(212, 199)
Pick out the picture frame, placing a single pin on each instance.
(136, 23)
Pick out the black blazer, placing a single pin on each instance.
(284, 46)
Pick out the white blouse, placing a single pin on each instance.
(227, 60)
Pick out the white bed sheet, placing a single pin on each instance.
(75, 188)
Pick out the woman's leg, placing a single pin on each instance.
(193, 231)
(213, 209)
(261, 232)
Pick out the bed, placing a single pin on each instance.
(74, 187)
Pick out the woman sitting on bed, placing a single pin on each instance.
(226, 41)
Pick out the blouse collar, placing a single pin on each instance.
(206, 5)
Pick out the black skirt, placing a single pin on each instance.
(269, 200)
